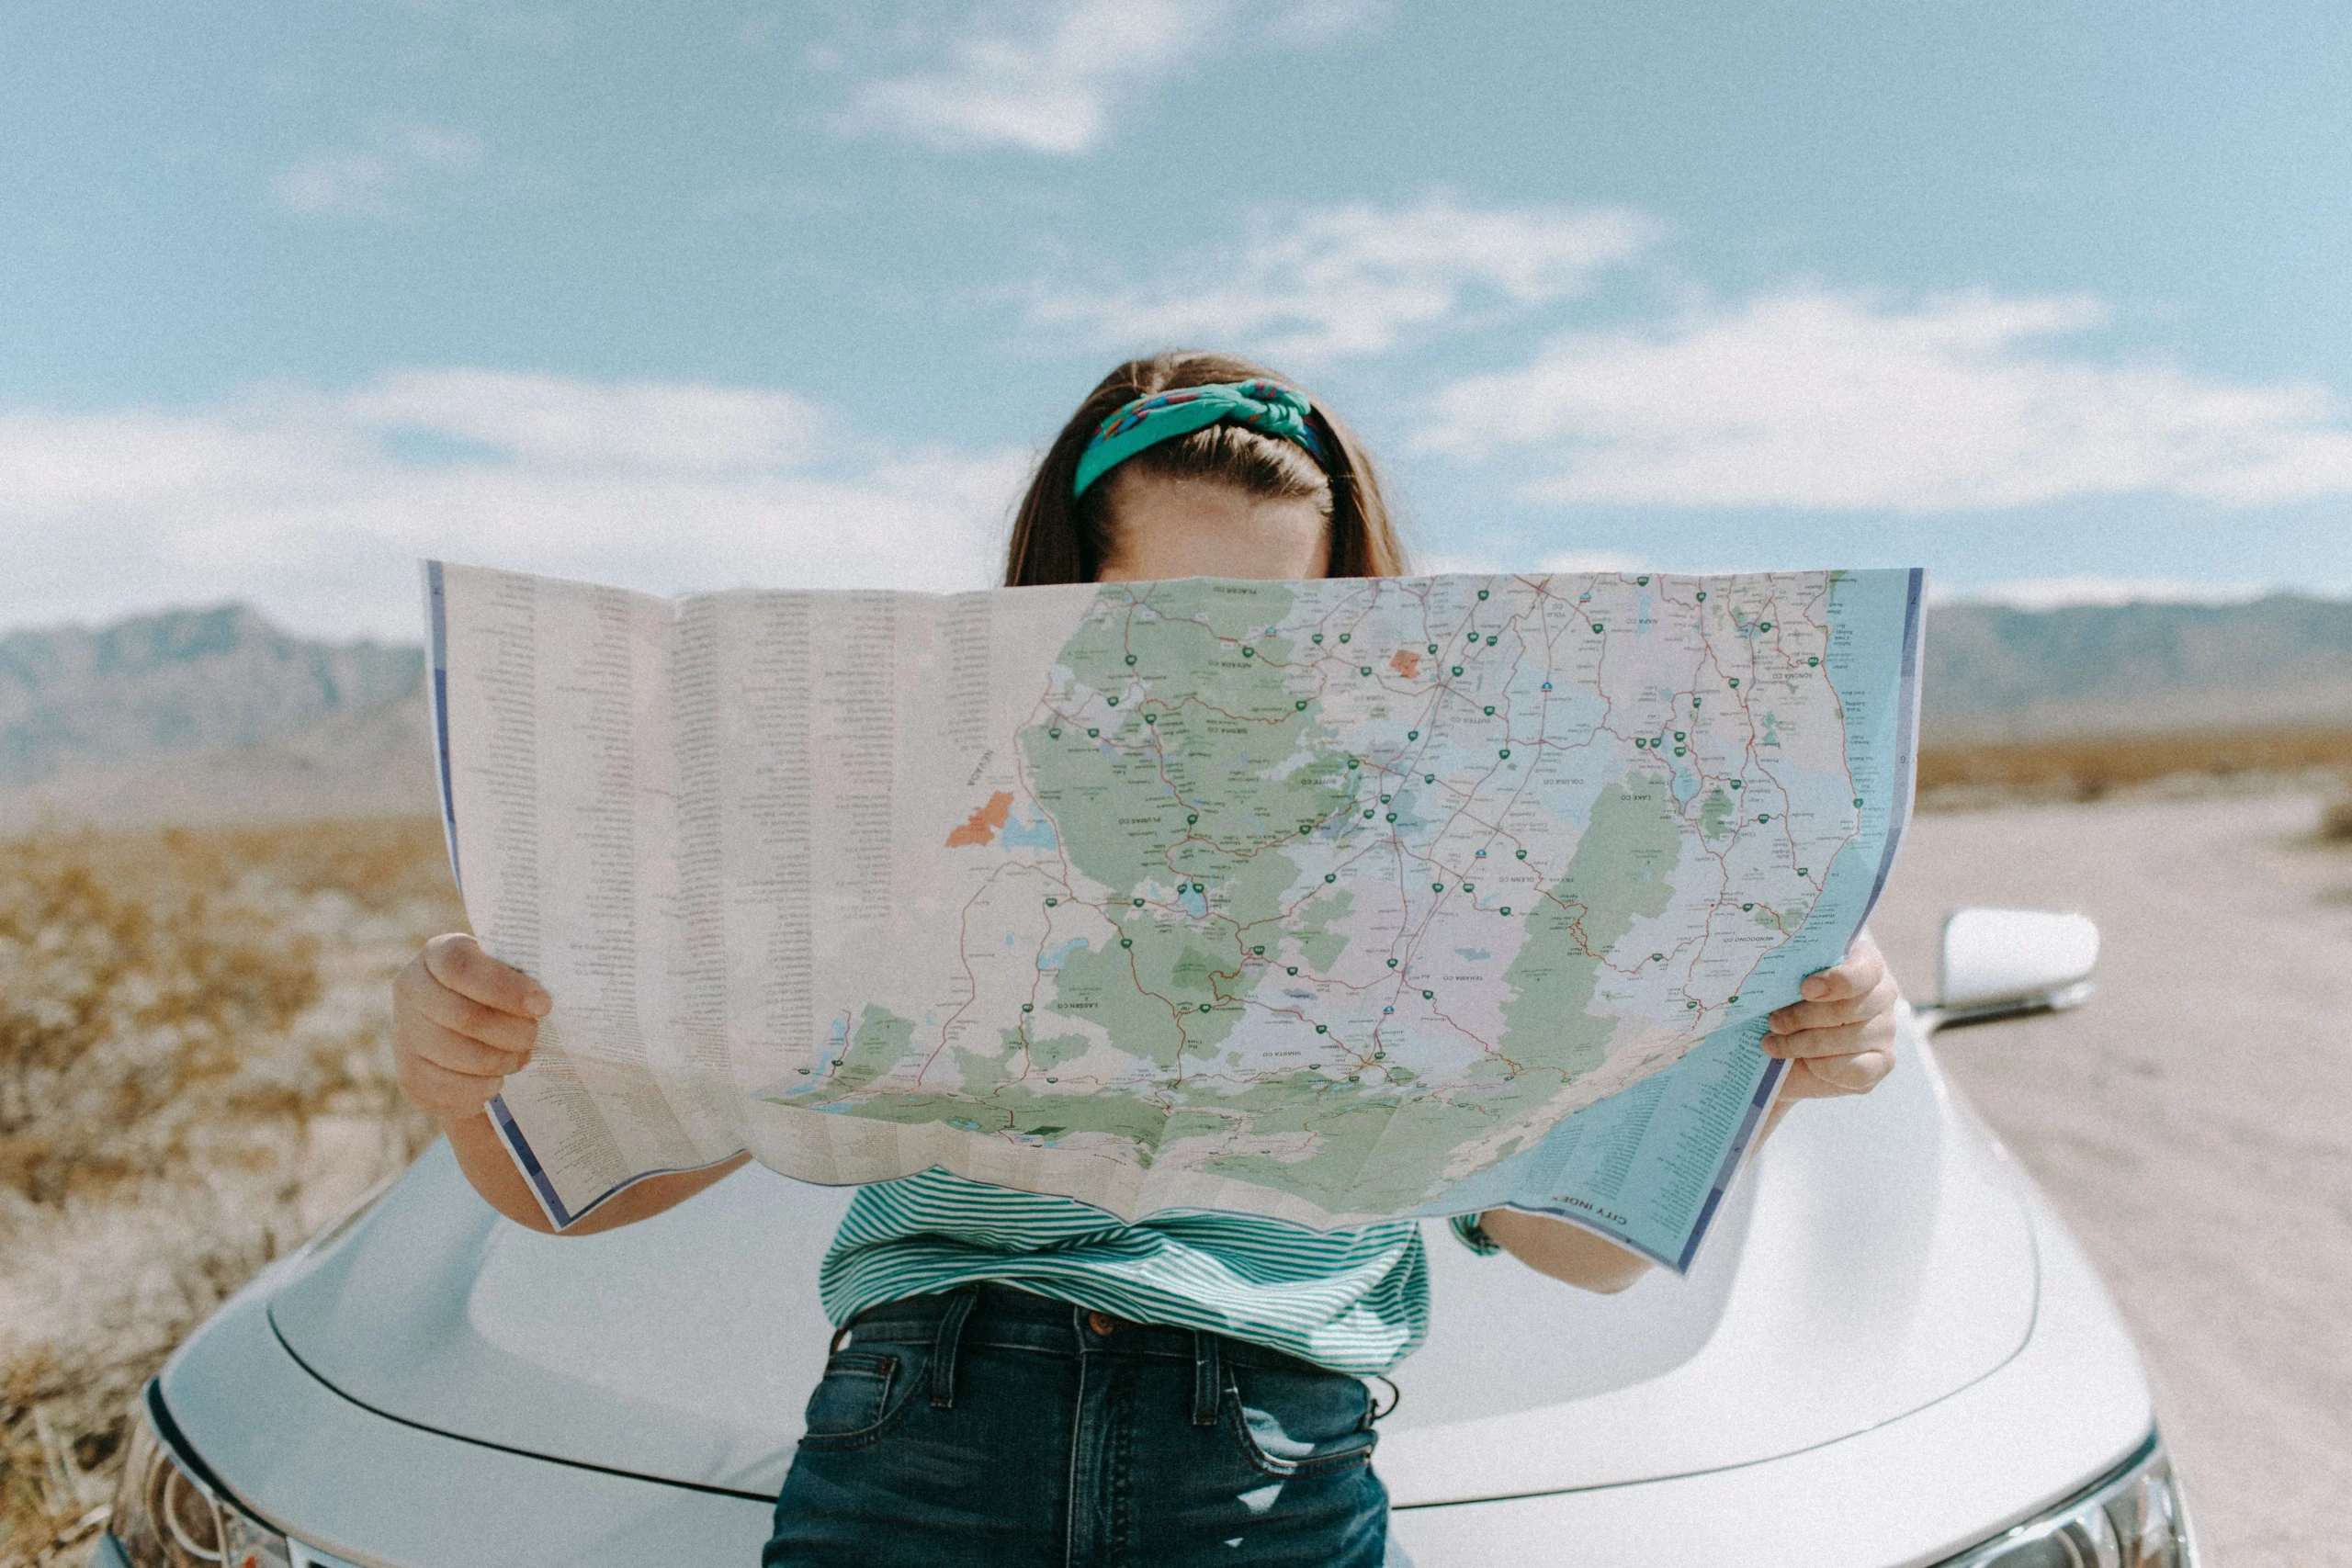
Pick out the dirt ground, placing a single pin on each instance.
(2192, 1121)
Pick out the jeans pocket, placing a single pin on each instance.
(852, 1401)
(1299, 1422)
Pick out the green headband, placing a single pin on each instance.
(1268, 407)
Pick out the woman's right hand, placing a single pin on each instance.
(461, 1022)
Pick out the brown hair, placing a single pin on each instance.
(1058, 537)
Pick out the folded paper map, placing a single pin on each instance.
(1330, 901)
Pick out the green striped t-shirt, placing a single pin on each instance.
(1354, 1300)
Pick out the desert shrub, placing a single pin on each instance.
(117, 1006)
(2097, 766)
(195, 1073)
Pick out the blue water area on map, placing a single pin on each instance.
(1195, 903)
(1473, 953)
(1645, 1164)
(1060, 955)
(1018, 835)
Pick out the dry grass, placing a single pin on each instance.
(195, 1073)
(2094, 769)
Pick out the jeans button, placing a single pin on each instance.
(1101, 1322)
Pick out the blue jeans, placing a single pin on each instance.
(989, 1428)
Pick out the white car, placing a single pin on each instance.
(1889, 1353)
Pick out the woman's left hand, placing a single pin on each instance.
(1840, 1038)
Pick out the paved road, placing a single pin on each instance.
(2194, 1122)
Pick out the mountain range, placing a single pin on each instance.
(202, 716)
(2095, 670)
(215, 716)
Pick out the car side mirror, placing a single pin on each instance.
(2001, 963)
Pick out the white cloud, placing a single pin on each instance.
(313, 504)
(1343, 280)
(652, 424)
(2058, 592)
(1046, 75)
(1590, 560)
(1565, 562)
(377, 182)
(1822, 400)
(338, 185)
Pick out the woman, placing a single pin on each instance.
(1019, 1378)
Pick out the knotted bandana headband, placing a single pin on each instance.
(1268, 407)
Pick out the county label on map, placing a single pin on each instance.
(1329, 900)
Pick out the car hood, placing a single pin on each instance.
(1876, 1257)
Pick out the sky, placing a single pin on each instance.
(2048, 300)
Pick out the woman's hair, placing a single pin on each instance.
(1058, 537)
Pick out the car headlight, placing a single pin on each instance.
(2132, 1519)
(169, 1514)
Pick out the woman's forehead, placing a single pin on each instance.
(1134, 487)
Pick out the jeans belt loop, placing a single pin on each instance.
(943, 1350)
(1207, 1378)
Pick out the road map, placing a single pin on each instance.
(1331, 901)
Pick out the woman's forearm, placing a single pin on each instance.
(1572, 1253)
(1564, 1251)
(482, 1156)
(490, 1171)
